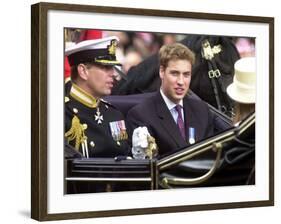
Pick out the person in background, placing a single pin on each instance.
(90, 35)
(171, 116)
(132, 58)
(243, 92)
(245, 46)
(243, 88)
(169, 39)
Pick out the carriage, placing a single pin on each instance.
(225, 159)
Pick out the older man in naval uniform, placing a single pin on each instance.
(92, 126)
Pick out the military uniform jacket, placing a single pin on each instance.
(94, 128)
(155, 115)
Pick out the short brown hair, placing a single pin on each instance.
(175, 51)
(74, 72)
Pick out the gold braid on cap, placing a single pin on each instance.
(77, 132)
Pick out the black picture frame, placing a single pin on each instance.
(39, 109)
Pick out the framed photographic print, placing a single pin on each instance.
(233, 167)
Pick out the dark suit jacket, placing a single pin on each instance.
(155, 115)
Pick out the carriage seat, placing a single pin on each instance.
(125, 102)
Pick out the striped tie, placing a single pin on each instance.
(180, 122)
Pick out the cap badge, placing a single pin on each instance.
(112, 47)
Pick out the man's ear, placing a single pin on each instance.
(161, 71)
(82, 71)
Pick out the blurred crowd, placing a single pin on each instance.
(134, 47)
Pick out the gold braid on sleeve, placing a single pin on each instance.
(77, 132)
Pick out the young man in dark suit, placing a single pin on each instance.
(172, 117)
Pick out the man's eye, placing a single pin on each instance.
(187, 75)
(174, 73)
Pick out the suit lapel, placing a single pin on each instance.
(167, 121)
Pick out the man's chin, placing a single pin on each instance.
(179, 96)
(105, 93)
(176, 99)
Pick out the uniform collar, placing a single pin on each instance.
(83, 97)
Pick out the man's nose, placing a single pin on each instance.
(180, 79)
(110, 72)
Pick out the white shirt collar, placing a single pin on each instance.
(168, 102)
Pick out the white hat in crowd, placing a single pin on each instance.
(99, 51)
(243, 88)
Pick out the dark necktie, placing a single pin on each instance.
(180, 122)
